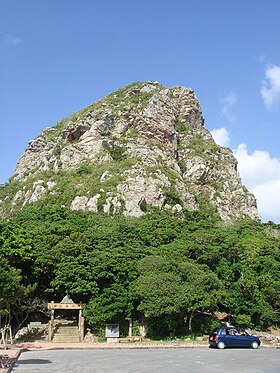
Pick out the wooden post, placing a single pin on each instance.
(3, 338)
(9, 335)
(79, 323)
(51, 325)
(130, 328)
(82, 333)
(6, 336)
(49, 331)
(81, 326)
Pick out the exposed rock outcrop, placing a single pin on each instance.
(142, 146)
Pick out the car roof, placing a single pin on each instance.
(225, 328)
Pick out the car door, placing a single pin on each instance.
(230, 338)
(243, 338)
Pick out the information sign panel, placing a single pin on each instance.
(112, 331)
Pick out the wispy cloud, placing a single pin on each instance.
(12, 39)
(261, 58)
(221, 136)
(270, 90)
(228, 103)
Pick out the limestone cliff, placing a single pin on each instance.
(143, 145)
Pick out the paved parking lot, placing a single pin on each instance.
(177, 360)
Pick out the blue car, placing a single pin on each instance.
(232, 337)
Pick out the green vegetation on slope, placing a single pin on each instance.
(157, 268)
(116, 101)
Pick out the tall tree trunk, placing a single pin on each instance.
(190, 321)
(10, 316)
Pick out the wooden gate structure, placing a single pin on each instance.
(66, 304)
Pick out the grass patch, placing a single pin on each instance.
(181, 127)
(116, 101)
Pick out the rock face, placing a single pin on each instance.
(143, 145)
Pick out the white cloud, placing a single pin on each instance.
(228, 104)
(221, 136)
(270, 90)
(261, 174)
(257, 167)
(12, 40)
(268, 198)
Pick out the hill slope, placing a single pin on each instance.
(143, 145)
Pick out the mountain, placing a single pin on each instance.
(144, 145)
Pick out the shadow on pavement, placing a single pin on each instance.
(32, 361)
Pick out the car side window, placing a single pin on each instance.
(240, 332)
(229, 332)
(243, 332)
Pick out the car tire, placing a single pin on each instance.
(221, 345)
(254, 345)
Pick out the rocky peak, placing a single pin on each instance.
(141, 146)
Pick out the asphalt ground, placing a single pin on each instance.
(179, 360)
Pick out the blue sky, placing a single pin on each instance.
(59, 56)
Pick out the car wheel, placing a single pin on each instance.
(221, 345)
(254, 344)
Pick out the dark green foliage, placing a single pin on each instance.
(173, 273)
(175, 288)
(84, 169)
(182, 165)
(116, 152)
(10, 280)
(172, 196)
(180, 127)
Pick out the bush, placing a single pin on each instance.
(243, 320)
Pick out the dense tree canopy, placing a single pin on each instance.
(158, 269)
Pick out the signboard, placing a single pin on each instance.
(112, 331)
(64, 306)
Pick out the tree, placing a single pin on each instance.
(11, 289)
(181, 288)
